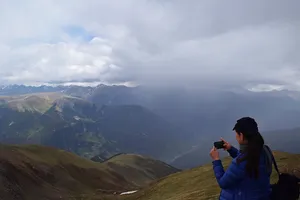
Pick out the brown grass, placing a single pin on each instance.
(199, 183)
(38, 172)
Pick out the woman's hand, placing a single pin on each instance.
(226, 145)
(214, 154)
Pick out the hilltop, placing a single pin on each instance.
(200, 183)
(34, 102)
(38, 172)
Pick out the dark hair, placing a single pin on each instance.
(248, 127)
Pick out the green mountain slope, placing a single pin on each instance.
(37, 172)
(199, 183)
(78, 126)
(39, 102)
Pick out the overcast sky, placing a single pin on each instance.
(228, 42)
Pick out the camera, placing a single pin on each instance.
(219, 144)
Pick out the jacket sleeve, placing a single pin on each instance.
(233, 175)
(233, 152)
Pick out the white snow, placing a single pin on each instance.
(129, 192)
(11, 123)
(76, 118)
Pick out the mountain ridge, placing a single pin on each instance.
(77, 125)
(197, 116)
(36, 172)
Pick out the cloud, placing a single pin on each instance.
(225, 43)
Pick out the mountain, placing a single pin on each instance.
(40, 172)
(207, 114)
(200, 183)
(37, 172)
(33, 118)
(284, 140)
(23, 89)
(76, 125)
(194, 108)
(136, 128)
(196, 116)
(139, 170)
(202, 110)
(37, 102)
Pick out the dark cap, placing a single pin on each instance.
(246, 125)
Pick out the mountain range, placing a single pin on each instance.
(195, 109)
(106, 142)
(175, 125)
(76, 125)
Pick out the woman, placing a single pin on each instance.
(248, 176)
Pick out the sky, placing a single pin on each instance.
(252, 44)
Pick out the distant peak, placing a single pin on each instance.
(101, 85)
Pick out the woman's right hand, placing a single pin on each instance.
(226, 145)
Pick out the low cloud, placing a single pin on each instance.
(151, 42)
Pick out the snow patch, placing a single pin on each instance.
(129, 192)
(76, 118)
(11, 123)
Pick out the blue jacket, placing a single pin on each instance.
(235, 183)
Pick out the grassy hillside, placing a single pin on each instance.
(37, 172)
(199, 183)
(39, 102)
(139, 169)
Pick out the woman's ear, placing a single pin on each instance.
(242, 137)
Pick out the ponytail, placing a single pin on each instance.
(252, 154)
(248, 127)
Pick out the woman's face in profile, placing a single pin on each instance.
(239, 138)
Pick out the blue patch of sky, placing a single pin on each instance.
(78, 32)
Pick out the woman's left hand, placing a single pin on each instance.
(214, 154)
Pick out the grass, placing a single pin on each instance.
(199, 183)
(139, 169)
(38, 102)
(39, 172)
